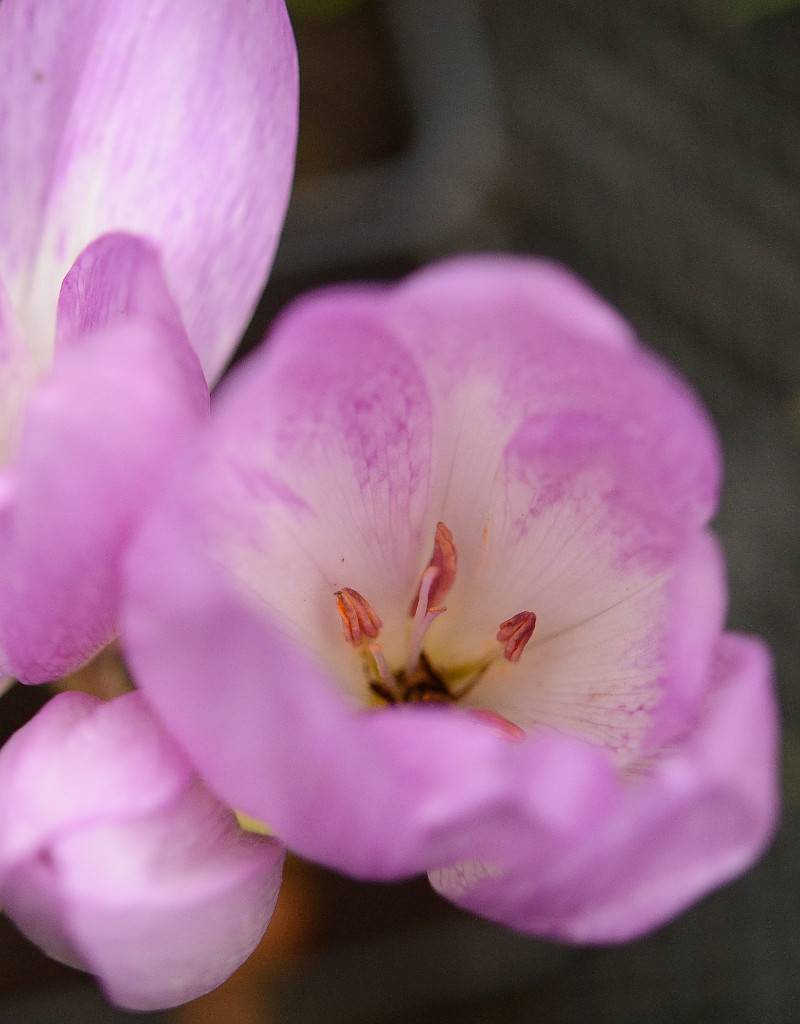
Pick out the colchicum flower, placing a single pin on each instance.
(434, 593)
(115, 858)
(146, 154)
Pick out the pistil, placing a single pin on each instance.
(444, 559)
(435, 584)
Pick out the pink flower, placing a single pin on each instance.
(435, 592)
(146, 153)
(114, 858)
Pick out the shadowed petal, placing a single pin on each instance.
(688, 821)
(174, 119)
(99, 435)
(115, 859)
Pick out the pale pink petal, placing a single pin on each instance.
(77, 758)
(98, 437)
(115, 859)
(172, 119)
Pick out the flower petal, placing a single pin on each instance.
(586, 527)
(500, 340)
(115, 277)
(97, 439)
(690, 820)
(319, 472)
(82, 152)
(78, 756)
(128, 868)
(17, 372)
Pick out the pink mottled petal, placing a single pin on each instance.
(127, 867)
(500, 340)
(118, 276)
(591, 530)
(173, 119)
(98, 437)
(688, 821)
(319, 474)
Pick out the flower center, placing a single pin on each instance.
(419, 680)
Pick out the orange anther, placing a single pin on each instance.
(358, 619)
(515, 633)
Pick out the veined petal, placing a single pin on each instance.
(686, 822)
(587, 526)
(173, 119)
(98, 436)
(117, 276)
(116, 860)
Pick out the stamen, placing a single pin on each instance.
(445, 560)
(510, 730)
(358, 618)
(515, 633)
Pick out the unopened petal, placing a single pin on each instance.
(130, 869)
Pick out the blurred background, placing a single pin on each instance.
(654, 147)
